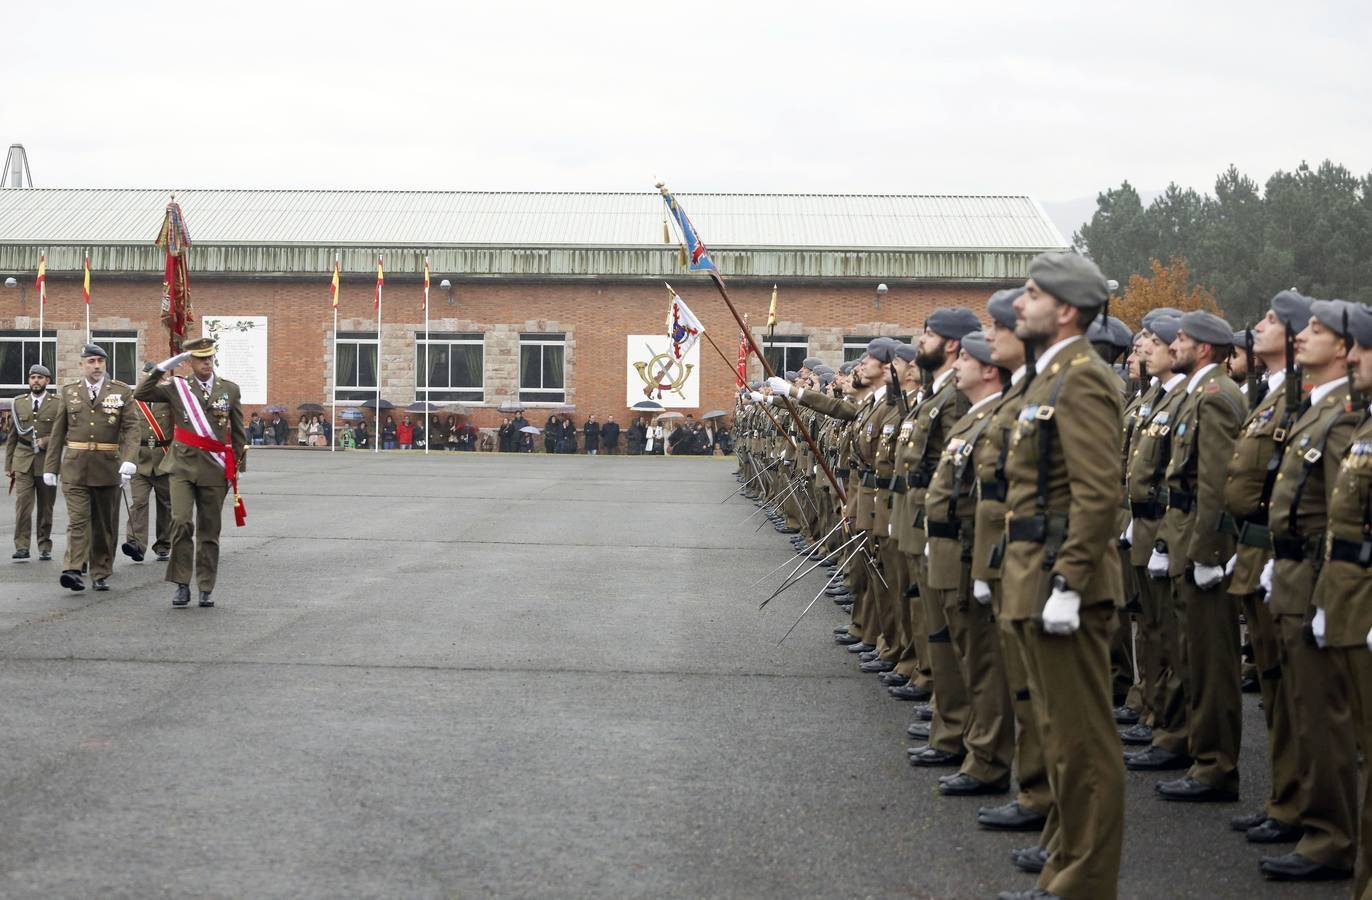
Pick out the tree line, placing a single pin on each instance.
(1310, 229)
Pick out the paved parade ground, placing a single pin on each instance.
(475, 675)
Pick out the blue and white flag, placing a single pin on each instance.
(683, 328)
(697, 257)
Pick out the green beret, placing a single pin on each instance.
(1001, 306)
(978, 347)
(1207, 328)
(1292, 307)
(1070, 277)
(953, 322)
(1330, 314)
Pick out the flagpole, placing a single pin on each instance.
(42, 302)
(376, 439)
(85, 274)
(427, 368)
(781, 431)
(333, 400)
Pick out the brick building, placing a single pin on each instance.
(547, 299)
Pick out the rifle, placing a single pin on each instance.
(897, 392)
(1254, 394)
(1354, 395)
(1293, 382)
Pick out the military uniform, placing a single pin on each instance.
(24, 452)
(199, 483)
(151, 482)
(90, 437)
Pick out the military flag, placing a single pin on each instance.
(41, 282)
(741, 367)
(697, 257)
(175, 238)
(333, 284)
(683, 328)
(380, 281)
(86, 280)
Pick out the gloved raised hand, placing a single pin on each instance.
(1060, 613)
(1317, 627)
(1127, 539)
(1369, 639)
(1208, 577)
(176, 361)
(1229, 566)
(1265, 580)
(779, 385)
(981, 592)
(755, 396)
(126, 471)
(50, 479)
(1158, 564)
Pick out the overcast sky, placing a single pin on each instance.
(1057, 101)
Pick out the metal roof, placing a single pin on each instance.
(434, 219)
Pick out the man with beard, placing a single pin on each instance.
(1063, 472)
(25, 446)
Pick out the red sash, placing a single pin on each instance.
(210, 445)
(152, 423)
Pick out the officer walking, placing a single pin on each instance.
(206, 458)
(32, 416)
(91, 449)
(151, 481)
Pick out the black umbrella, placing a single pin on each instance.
(510, 406)
(278, 408)
(308, 407)
(423, 406)
(651, 405)
(350, 413)
(374, 404)
(715, 414)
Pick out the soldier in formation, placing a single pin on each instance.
(1061, 535)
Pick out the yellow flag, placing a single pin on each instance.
(333, 284)
(772, 310)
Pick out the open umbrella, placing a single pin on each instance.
(306, 407)
(350, 413)
(276, 408)
(650, 405)
(531, 429)
(423, 406)
(372, 403)
(715, 414)
(668, 415)
(510, 406)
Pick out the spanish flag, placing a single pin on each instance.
(41, 283)
(425, 304)
(333, 284)
(772, 310)
(380, 280)
(86, 283)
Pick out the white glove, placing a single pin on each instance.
(1369, 639)
(890, 529)
(755, 396)
(1265, 580)
(1060, 612)
(127, 469)
(50, 479)
(167, 365)
(1317, 627)
(1229, 566)
(779, 385)
(926, 548)
(982, 592)
(1127, 539)
(1158, 564)
(1208, 576)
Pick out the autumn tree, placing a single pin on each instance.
(1165, 285)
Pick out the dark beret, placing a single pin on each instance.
(1165, 328)
(790, 376)
(1071, 277)
(1001, 306)
(953, 322)
(848, 367)
(1292, 307)
(826, 378)
(823, 370)
(905, 351)
(1241, 338)
(39, 369)
(1330, 314)
(882, 350)
(811, 363)
(1109, 331)
(93, 350)
(1360, 323)
(977, 347)
(1207, 328)
(755, 385)
(1152, 314)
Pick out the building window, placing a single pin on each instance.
(122, 347)
(449, 367)
(856, 345)
(18, 351)
(542, 368)
(354, 369)
(785, 354)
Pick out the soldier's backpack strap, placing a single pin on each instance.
(1309, 459)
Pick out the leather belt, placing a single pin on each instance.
(91, 445)
(1030, 530)
(898, 485)
(1289, 548)
(918, 480)
(1180, 500)
(1146, 509)
(1359, 553)
(943, 529)
(154, 442)
(992, 489)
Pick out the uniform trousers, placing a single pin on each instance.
(1209, 624)
(1326, 756)
(1069, 685)
(197, 514)
(1354, 665)
(951, 704)
(1034, 793)
(30, 494)
(1168, 701)
(989, 737)
(1283, 802)
(92, 528)
(146, 488)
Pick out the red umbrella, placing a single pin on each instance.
(176, 287)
